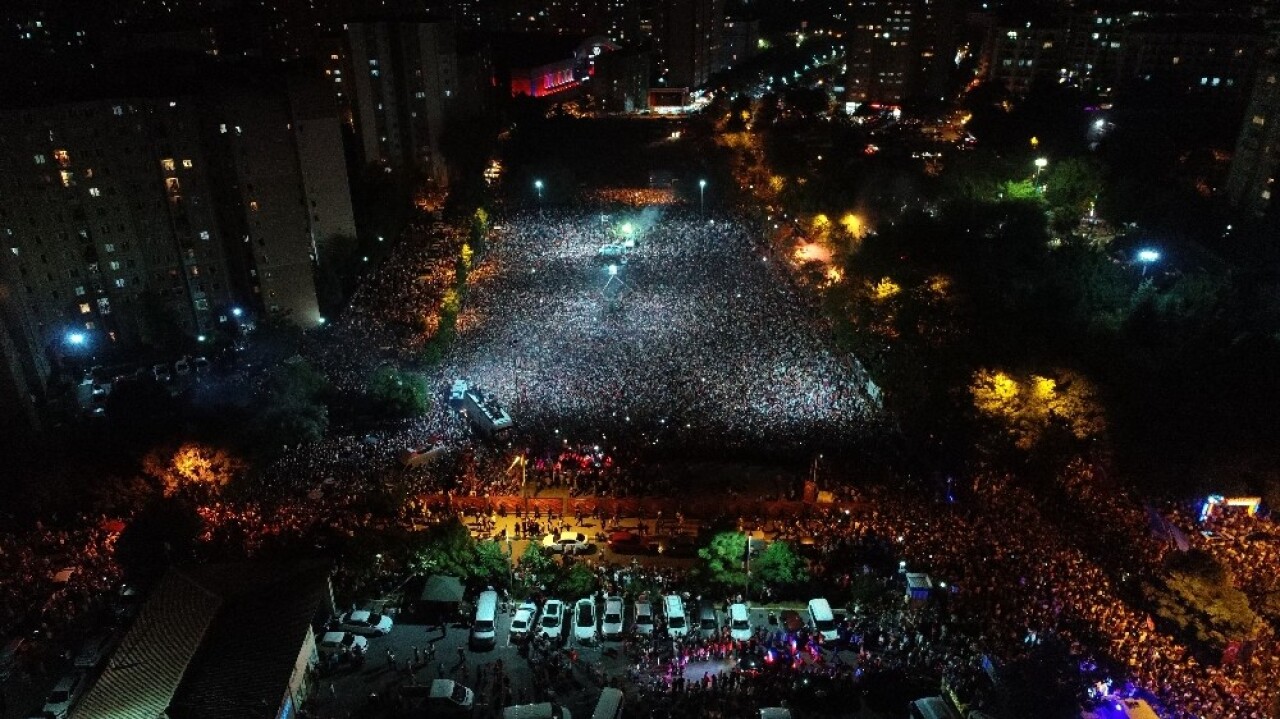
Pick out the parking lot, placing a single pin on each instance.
(415, 654)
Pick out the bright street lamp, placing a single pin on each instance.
(1041, 163)
(702, 196)
(75, 338)
(1146, 257)
(537, 185)
(236, 312)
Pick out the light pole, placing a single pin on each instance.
(1146, 257)
(1041, 163)
(702, 196)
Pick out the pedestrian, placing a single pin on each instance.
(333, 691)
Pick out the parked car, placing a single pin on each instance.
(161, 373)
(681, 545)
(623, 542)
(365, 623)
(341, 644)
(551, 625)
(568, 542)
(643, 623)
(522, 621)
(611, 624)
(201, 365)
(182, 367)
(584, 621)
(65, 694)
(708, 620)
(739, 622)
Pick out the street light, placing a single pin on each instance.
(236, 312)
(1041, 163)
(537, 185)
(75, 338)
(1146, 257)
(702, 196)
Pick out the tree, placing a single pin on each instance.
(577, 581)
(165, 531)
(447, 548)
(778, 565)
(724, 559)
(193, 465)
(397, 393)
(1070, 185)
(1198, 596)
(291, 411)
(491, 565)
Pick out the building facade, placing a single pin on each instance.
(1251, 184)
(403, 85)
(687, 36)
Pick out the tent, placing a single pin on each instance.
(440, 598)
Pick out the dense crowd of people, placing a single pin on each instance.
(695, 333)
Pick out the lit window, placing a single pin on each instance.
(95, 192)
(1259, 120)
(109, 247)
(204, 234)
(40, 159)
(188, 164)
(62, 156)
(85, 308)
(114, 264)
(80, 291)
(120, 282)
(117, 110)
(167, 164)
(222, 128)
(253, 205)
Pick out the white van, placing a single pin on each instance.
(484, 630)
(822, 620)
(609, 706)
(677, 624)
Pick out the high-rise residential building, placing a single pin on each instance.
(900, 48)
(1108, 53)
(687, 35)
(740, 42)
(404, 87)
(132, 216)
(1251, 184)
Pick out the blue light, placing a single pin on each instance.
(236, 311)
(1148, 255)
(76, 338)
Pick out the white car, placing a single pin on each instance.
(365, 623)
(341, 644)
(522, 622)
(584, 621)
(551, 624)
(739, 623)
(611, 623)
(568, 542)
(643, 624)
(65, 694)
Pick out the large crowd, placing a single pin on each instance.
(696, 333)
(700, 339)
